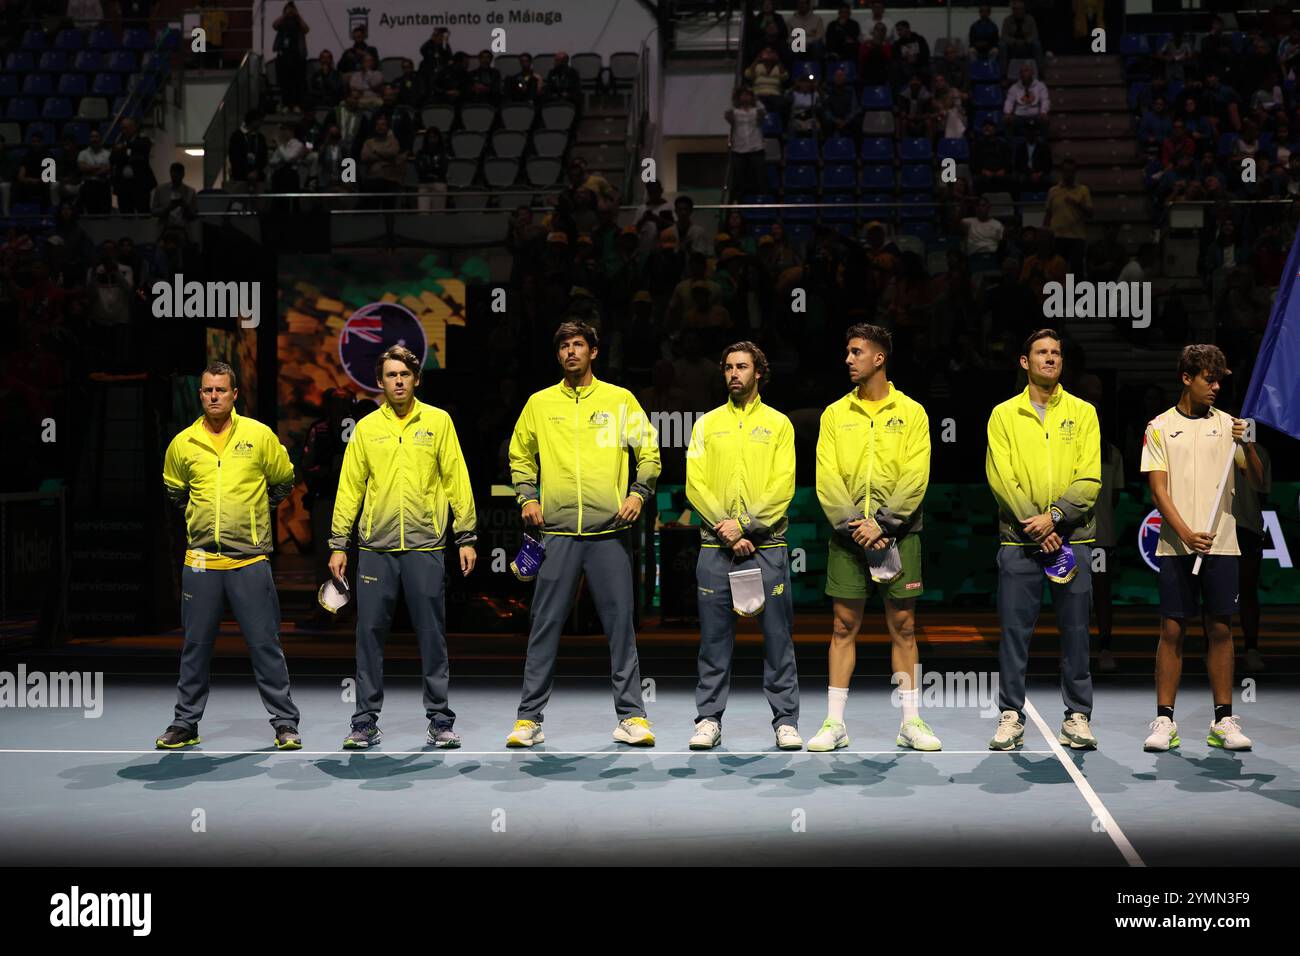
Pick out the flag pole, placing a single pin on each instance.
(1214, 505)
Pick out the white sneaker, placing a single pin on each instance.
(1010, 733)
(787, 738)
(635, 731)
(526, 734)
(708, 734)
(1254, 662)
(1106, 662)
(1227, 734)
(1076, 732)
(1164, 735)
(833, 735)
(916, 733)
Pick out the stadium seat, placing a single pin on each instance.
(558, 115)
(624, 67)
(46, 130)
(461, 172)
(477, 117)
(20, 61)
(589, 67)
(877, 177)
(837, 178)
(438, 117)
(759, 215)
(21, 108)
(517, 116)
(850, 71)
(803, 68)
(508, 144)
(1133, 44)
(914, 150)
(877, 150)
(391, 68)
(72, 84)
(467, 144)
(79, 131)
(772, 123)
(847, 213)
(772, 177)
(53, 61)
(987, 96)
(800, 177)
(803, 211)
(70, 41)
(987, 116)
(38, 84)
(543, 171)
(799, 234)
(34, 39)
(543, 62)
(57, 108)
(106, 84)
(8, 84)
(136, 38)
(507, 64)
(838, 149)
(917, 177)
(123, 61)
(103, 39)
(92, 108)
(500, 172)
(878, 124)
(876, 98)
(88, 61)
(550, 143)
(985, 71)
(801, 149)
(958, 149)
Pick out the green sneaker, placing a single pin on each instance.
(833, 735)
(916, 733)
(1010, 733)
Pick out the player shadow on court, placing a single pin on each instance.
(1219, 772)
(169, 772)
(380, 772)
(991, 776)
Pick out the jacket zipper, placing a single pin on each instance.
(401, 498)
(577, 451)
(217, 529)
(871, 465)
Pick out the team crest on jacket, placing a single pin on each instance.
(242, 449)
(1067, 430)
(422, 436)
(598, 419)
(894, 425)
(761, 434)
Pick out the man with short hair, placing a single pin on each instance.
(404, 470)
(1027, 101)
(1044, 468)
(873, 467)
(175, 205)
(96, 192)
(983, 232)
(1069, 208)
(1184, 451)
(569, 467)
(740, 480)
(354, 57)
(228, 472)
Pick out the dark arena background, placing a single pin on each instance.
(187, 183)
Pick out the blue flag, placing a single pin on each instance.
(1273, 396)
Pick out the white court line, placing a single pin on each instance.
(522, 752)
(1098, 808)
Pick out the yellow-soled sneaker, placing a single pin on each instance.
(634, 731)
(526, 734)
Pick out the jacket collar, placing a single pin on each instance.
(390, 415)
(583, 391)
(1027, 405)
(754, 405)
(199, 432)
(860, 405)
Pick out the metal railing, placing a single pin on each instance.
(244, 92)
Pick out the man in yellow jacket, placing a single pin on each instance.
(1044, 467)
(403, 469)
(873, 466)
(569, 465)
(228, 471)
(740, 480)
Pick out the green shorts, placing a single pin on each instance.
(848, 577)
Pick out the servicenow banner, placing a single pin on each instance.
(400, 27)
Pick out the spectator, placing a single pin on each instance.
(29, 188)
(648, 217)
(1268, 97)
(1178, 144)
(175, 205)
(409, 87)
(691, 236)
(291, 56)
(876, 58)
(67, 171)
(247, 150)
(1032, 165)
(843, 34)
(385, 168)
(435, 54)
(1224, 103)
(738, 230)
(803, 105)
(1027, 100)
(905, 68)
(813, 26)
(757, 28)
(1155, 127)
(1069, 207)
(135, 13)
(327, 86)
(369, 83)
(878, 19)
(1216, 51)
(330, 154)
(214, 21)
(949, 117)
(286, 162)
(1044, 266)
(991, 161)
(907, 40)
(86, 14)
(983, 232)
(983, 34)
(525, 85)
(354, 57)
(109, 291)
(954, 69)
(431, 167)
(485, 80)
(563, 81)
(1197, 125)
(767, 76)
(8, 173)
(1020, 39)
(452, 81)
(1176, 55)
(915, 109)
(748, 155)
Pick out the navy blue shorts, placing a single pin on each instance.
(1182, 594)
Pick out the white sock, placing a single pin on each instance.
(836, 698)
(911, 700)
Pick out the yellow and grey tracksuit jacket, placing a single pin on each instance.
(581, 436)
(1039, 466)
(404, 475)
(228, 497)
(740, 465)
(876, 465)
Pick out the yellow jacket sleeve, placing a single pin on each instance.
(774, 500)
(523, 457)
(1085, 483)
(698, 492)
(834, 495)
(176, 477)
(277, 468)
(1006, 489)
(352, 489)
(454, 475)
(901, 505)
(643, 441)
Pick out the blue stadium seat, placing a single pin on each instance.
(914, 149)
(922, 230)
(45, 129)
(850, 71)
(171, 39)
(990, 116)
(773, 178)
(1175, 89)
(136, 39)
(158, 63)
(38, 84)
(836, 178)
(1135, 92)
(838, 149)
(918, 177)
(20, 61)
(760, 215)
(1027, 196)
(53, 61)
(34, 40)
(123, 61)
(1227, 141)
(840, 215)
(103, 39)
(78, 130)
(876, 98)
(70, 41)
(1238, 42)
(58, 108)
(801, 149)
(799, 234)
(21, 108)
(804, 214)
(877, 149)
(801, 177)
(106, 84)
(771, 123)
(8, 84)
(72, 84)
(878, 177)
(1133, 44)
(985, 71)
(987, 96)
(957, 149)
(917, 206)
(803, 68)
(88, 61)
